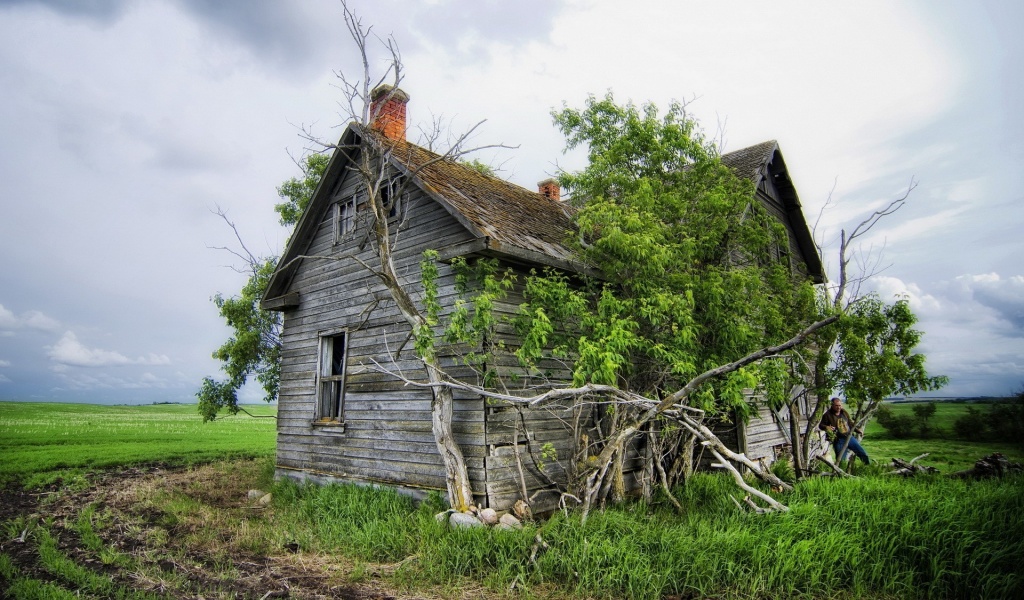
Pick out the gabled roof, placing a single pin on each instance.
(490, 207)
(505, 219)
(762, 162)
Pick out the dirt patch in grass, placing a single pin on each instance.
(125, 527)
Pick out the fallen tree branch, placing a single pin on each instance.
(774, 505)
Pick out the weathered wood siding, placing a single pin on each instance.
(515, 459)
(765, 435)
(387, 435)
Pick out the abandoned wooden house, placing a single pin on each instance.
(339, 417)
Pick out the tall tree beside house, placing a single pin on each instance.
(688, 274)
(690, 271)
(254, 347)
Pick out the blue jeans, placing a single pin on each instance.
(854, 447)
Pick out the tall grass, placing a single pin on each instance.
(872, 537)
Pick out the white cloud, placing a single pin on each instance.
(5, 363)
(922, 303)
(4, 378)
(69, 351)
(973, 326)
(32, 319)
(7, 319)
(931, 225)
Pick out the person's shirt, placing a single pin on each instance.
(842, 422)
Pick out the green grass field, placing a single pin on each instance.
(944, 452)
(875, 536)
(42, 441)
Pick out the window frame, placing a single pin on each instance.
(328, 382)
(344, 218)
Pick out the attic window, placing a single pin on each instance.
(344, 217)
(330, 386)
(390, 197)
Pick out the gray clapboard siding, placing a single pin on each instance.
(387, 434)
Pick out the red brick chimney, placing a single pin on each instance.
(550, 188)
(387, 111)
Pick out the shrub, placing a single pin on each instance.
(783, 469)
(1006, 420)
(898, 426)
(972, 426)
(1001, 422)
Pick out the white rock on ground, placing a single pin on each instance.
(489, 516)
(464, 520)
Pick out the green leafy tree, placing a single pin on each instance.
(679, 250)
(682, 303)
(254, 347)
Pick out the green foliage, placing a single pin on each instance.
(471, 321)
(480, 167)
(874, 353)
(1001, 422)
(899, 426)
(297, 192)
(681, 253)
(254, 347)
(971, 426)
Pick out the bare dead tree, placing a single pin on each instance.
(373, 158)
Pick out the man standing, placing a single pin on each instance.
(839, 426)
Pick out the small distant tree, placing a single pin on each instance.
(254, 348)
(923, 414)
(899, 426)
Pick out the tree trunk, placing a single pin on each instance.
(794, 434)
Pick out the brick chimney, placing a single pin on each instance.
(550, 188)
(387, 111)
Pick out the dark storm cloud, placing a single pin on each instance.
(491, 20)
(284, 34)
(1006, 297)
(96, 10)
(287, 33)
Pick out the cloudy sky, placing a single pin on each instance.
(124, 123)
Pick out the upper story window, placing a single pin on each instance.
(391, 196)
(353, 210)
(344, 217)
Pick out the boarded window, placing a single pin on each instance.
(331, 379)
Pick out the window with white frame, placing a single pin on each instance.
(330, 386)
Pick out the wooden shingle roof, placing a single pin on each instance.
(491, 207)
(749, 162)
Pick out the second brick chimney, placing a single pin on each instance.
(550, 189)
(387, 111)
